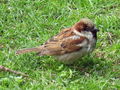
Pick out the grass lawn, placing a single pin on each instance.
(29, 23)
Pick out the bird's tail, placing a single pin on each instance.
(28, 50)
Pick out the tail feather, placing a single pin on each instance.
(28, 50)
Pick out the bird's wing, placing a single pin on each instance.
(65, 42)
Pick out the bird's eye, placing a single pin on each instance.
(86, 29)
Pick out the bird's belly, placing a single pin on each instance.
(69, 58)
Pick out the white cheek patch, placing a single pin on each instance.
(88, 35)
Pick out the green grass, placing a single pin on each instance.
(29, 23)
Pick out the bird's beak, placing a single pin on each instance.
(97, 30)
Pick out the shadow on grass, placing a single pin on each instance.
(85, 65)
(90, 66)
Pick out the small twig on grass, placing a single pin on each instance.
(110, 38)
(1, 46)
(12, 71)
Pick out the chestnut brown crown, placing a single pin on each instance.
(85, 24)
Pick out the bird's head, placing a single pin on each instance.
(85, 25)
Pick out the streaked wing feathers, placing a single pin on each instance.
(59, 45)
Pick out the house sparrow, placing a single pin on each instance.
(70, 44)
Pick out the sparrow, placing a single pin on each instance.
(70, 44)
